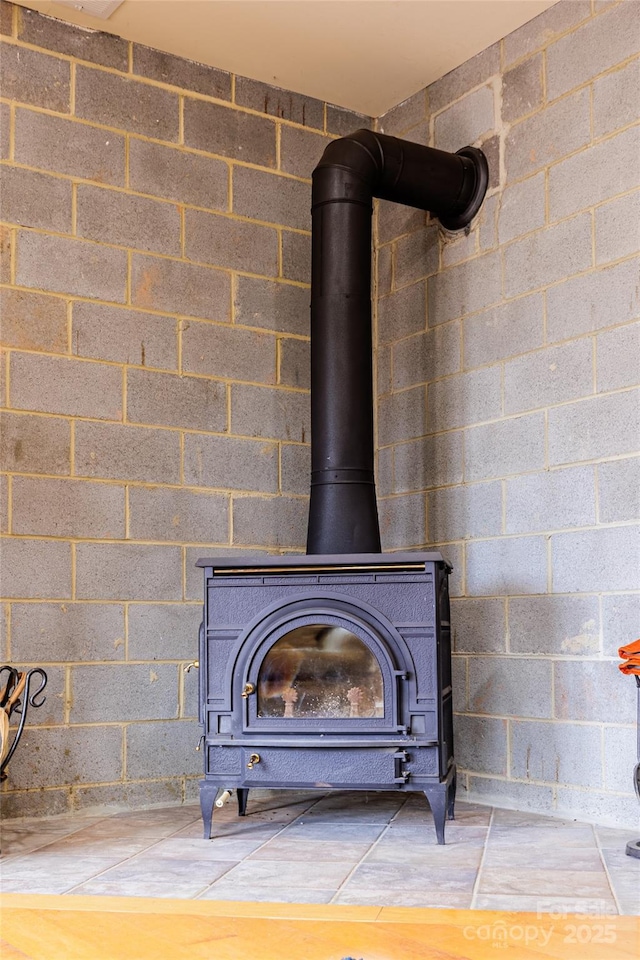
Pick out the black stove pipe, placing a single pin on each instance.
(343, 515)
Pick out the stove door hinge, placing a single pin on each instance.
(401, 757)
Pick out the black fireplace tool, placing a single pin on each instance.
(15, 698)
(633, 847)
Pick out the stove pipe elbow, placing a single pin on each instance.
(343, 516)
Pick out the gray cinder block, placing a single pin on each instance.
(126, 104)
(169, 400)
(94, 45)
(77, 754)
(225, 242)
(402, 313)
(230, 463)
(157, 513)
(510, 566)
(78, 388)
(606, 169)
(510, 687)
(295, 363)
(479, 626)
(64, 146)
(554, 625)
(466, 121)
(163, 749)
(38, 569)
(504, 331)
(228, 351)
(124, 452)
(300, 150)
(177, 287)
(593, 429)
(276, 102)
(163, 631)
(71, 266)
(465, 288)
(549, 376)
(550, 254)
(35, 200)
(430, 462)
(199, 77)
(120, 571)
(593, 690)
(67, 508)
(124, 336)
(522, 207)
(229, 132)
(123, 692)
(275, 414)
(403, 521)
(35, 78)
(277, 521)
(131, 221)
(472, 510)
(548, 135)
(619, 490)
(274, 306)
(522, 89)
(557, 753)
(164, 171)
(481, 743)
(590, 561)
(468, 75)
(67, 632)
(618, 358)
(615, 99)
(296, 256)
(465, 398)
(402, 416)
(260, 195)
(31, 444)
(604, 298)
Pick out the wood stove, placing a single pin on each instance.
(333, 670)
(330, 672)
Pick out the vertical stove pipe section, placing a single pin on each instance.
(343, 515)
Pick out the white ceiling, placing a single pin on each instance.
(363, 54)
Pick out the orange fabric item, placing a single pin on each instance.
(631, 655)
(631, 666)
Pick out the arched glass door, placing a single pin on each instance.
(317, 671)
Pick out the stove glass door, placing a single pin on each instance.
(317, 671)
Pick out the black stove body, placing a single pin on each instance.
(327, 672)
(333, 670)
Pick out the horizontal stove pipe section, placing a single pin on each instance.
(343, 515)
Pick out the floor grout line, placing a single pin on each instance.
(606, 869)
(476, 886)
(371, 847)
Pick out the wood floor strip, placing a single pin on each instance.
(119, 928)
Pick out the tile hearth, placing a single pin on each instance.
(343, 848)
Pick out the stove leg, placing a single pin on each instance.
(451, 798)
(243, 795)
(208, 794)
(437, 797)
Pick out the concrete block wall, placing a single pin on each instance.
(508, 413)
(155, 317)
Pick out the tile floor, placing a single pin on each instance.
(347, 848)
